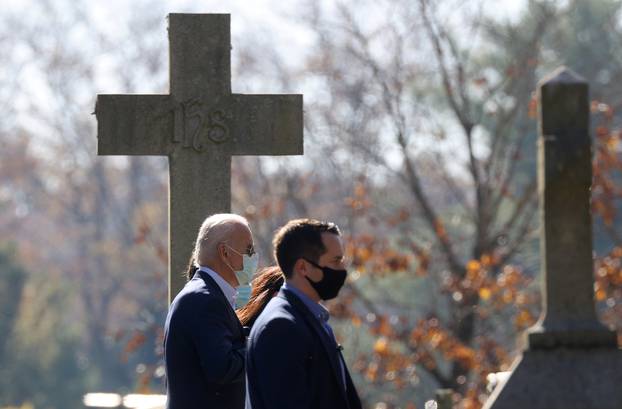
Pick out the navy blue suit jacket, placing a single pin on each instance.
(292, 363)
(204, 349)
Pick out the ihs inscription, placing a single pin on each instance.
(202, 125)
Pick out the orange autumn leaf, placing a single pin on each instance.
(524, 319)
(601, 294)
(486, 260)
(612, 143)
(473, 265)
(381, 346)
(485, 293)
(372, 372)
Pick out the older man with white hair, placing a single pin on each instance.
(204, 342)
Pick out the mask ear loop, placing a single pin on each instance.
(236, 252)
(313, 264)
(226, 263)
(316, 266)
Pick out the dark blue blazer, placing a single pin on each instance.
(292, 363)
(204, 349)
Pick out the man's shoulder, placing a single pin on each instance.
(278, 315)
(278, 305)
(197, 293)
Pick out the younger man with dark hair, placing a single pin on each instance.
(293, 360)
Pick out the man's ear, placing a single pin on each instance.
(222, 250)
(300, 266)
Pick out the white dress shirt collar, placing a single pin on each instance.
(229, 291)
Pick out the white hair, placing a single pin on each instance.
(215, 229)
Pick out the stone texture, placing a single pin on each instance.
(199, 126)
(563, 378)
(564, 180)
(571, 360)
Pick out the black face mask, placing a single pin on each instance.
(328, 287)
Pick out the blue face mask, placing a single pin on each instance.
(249, 266)
(244, 294)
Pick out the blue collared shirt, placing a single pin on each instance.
(318, 310)
(321, 313)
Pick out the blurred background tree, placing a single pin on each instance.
(420, 142)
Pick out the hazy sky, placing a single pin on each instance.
(275, 22)
(247, 15)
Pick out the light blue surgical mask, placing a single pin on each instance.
(244, 294)
(249, 266)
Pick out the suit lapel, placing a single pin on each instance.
(329, 345)
(215, 288)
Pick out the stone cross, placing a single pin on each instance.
(570, 361)
(199, 126)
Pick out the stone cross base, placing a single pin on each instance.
(562, 379)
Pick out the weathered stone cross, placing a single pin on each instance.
(199, 126)
(570, 361)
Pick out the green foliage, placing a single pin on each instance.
(39, 362)
(12, 278)
(587, 39)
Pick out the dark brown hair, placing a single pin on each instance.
(301, 238)
(267, 283)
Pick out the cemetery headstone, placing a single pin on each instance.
(570, 360)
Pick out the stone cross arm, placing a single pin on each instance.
(158, 125)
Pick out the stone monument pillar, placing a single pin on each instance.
(570, 360)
